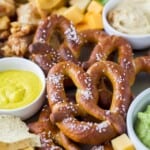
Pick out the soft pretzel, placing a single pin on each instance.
(142, 64)
(121, 97)
(43, 51)
(44, 55)
(110, 122)
(54, 23)
(51, 136)
(106, 146)
(106, 45)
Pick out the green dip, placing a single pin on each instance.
(142, 126)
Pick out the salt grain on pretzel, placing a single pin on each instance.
(51, 136)
(106, 45)
(64, 26)
(67, 49)
(142, 64)
(110, 124)
(44, 55)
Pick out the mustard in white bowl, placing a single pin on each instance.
(22, 87)
(17, 88)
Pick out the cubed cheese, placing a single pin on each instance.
(122, 142)
(60, 11)
(82, 4)
(95, 7)
(74, 14)
(91, 21)
(48, 5)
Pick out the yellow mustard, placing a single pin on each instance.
(18, 88)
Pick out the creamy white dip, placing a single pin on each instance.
(131, 16)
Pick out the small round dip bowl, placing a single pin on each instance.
(139, 104)
(22, 64)
(138, 41)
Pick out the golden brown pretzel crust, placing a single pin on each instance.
(142, 64)
(44, 55)
(106, 146)
(43, 51)
(106, 45)
(51, 136)
(51, 24)
(64, 113)
(121, 90)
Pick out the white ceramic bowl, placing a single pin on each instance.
(138, 42)
(138, 105)
(16, 63)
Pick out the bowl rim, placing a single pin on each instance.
(130, 121)
(43, 81)
(108, 6)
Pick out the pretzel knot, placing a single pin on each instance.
(142, 64)
(104, 46)
(49, 134)
(109, 123)
(58, 35)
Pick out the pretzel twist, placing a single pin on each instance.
(111, 122)
(106, 45)
(44, 55)
(43, 50)
(51, 137)
(142, 64)
(54, 23)
(121, 95)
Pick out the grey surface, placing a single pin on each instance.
(142, 79)
(142, 82)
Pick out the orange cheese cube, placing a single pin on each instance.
(91, 21)
(74, 14)
(82, 4)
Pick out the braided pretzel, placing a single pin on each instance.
(50, 135)
(111, 123)
(104, 46)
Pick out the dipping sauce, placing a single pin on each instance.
(131, 17)
(18, 88)
(142, 126)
